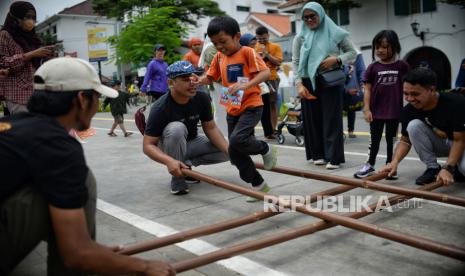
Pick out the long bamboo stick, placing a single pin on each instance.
(226, 225)
(349, 222)
(235, 250)
(455, 200)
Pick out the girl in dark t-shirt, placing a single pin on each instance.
(383, 96)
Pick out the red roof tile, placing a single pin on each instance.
(83, 8)
(281, 23)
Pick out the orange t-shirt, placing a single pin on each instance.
(192, 58)
(274, 50)
(243, 63)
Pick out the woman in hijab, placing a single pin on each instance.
(21, 53)
(320, 46)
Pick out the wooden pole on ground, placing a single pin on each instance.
(260, 243)
(347, 221)
(226, 225)
(361, 183)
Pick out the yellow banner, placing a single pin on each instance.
(97, 43)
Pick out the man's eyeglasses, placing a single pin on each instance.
(311, 17)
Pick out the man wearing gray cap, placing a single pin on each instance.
(155, 81)
(48, 192)
(171, 134)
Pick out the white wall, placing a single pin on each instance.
(376, 15)
(73, 32)
(440, 33)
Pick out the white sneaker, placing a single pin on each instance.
(319, 162)
(330, 166)
(270, 159)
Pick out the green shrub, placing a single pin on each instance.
(100, 103)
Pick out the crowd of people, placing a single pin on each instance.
(53, 199)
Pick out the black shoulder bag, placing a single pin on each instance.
(330, 78)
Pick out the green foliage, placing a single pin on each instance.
(188, 11)
(50, 39)
(135, 42)
(100, 106)
(455, 2)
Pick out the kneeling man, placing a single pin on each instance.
(171, 134)
(434, 123)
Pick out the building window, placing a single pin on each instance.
(271, 11)
(340, 16)
(242, 8)
(365, 47)
(406, 7)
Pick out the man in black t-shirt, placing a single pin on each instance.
(47, 191)
(434, 123)
(171, 133)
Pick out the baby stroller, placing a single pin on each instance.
(294, 127)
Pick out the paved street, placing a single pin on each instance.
(135, 205)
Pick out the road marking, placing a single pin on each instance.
(284, 130)
(353, 153)
(303, 149)
(111, 119)
(238, 264)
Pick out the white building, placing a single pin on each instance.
(439, 39)
(239, 10)
(71, 26)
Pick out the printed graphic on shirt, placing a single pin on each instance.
(5, 127)
(388, 77)
(437, 131)
(234, 71)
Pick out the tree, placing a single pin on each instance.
(50, 39)
(150, 22)
(135, 42)
(188, 11)
(455, 2)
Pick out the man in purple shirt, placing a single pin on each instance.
(155, 79)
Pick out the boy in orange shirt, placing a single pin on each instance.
(230, 63)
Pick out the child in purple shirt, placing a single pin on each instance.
(383, 96)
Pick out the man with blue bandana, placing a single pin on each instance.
(171, 136)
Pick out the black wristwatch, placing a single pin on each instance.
(450, 168)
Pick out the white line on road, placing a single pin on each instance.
(351, 153)
(302, 148)
(238, 264)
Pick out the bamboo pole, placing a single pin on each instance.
(349, 222)
(226, 225)
(455, 200)
(235, 250)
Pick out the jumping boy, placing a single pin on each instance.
(230, 63)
